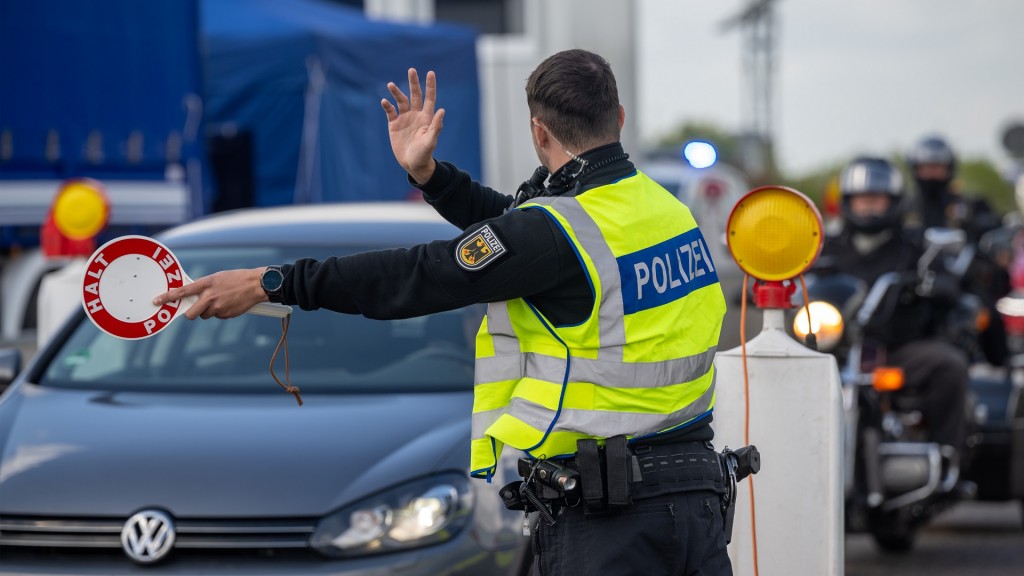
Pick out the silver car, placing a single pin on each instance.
(181, 453)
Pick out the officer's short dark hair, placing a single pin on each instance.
(574, 94)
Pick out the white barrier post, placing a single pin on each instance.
(796, 422)
(59, 296)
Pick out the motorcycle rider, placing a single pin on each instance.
(874, 241)
(933, 167)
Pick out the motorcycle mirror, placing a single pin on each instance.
(948, 240)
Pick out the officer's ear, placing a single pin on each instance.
(540, 134)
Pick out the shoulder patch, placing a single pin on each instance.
(478, 249)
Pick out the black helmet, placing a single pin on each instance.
(933, 150)
(867, 175)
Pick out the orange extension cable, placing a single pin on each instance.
(746, 399)
(746, 419)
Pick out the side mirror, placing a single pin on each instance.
(950, 242)
(10, 365)
(999, 241)
(947, 240)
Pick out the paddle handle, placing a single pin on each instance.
(270, 309)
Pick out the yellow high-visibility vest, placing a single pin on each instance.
(642, 361)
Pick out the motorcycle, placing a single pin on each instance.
(998, 463)
(895, 478)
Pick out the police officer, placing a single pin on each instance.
(603, 320)
(873, 241)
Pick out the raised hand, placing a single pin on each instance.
(414, 126)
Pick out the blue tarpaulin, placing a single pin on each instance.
(97, 88)
(328, 141)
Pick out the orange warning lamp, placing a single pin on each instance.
(775, 234)
(79, 212)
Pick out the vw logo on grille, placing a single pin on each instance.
(147, 536)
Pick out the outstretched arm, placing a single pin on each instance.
(414, 126)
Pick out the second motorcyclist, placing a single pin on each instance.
(873, 241)
(933, 167)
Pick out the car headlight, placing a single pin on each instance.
(419, 513)
(826, 321)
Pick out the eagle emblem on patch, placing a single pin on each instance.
(479, 249)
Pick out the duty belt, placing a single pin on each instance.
(613, 475)
(609, 477)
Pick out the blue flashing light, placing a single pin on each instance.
(700, 154)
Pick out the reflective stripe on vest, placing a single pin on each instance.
(642, 361)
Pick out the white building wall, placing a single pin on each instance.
(603, 26)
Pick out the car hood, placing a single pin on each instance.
(72, 452)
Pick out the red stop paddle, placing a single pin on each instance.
(124, 275)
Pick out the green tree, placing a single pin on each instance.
(726, 143)
(813, 184)
(975, 176)
(730, 147)
(979, 177)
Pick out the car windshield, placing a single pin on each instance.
(329, 352)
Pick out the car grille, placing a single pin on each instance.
(227, 534)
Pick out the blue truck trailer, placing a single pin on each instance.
(106, 90)
(177, 108)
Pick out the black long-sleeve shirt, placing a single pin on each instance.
(539, 262)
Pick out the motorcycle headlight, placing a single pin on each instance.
(826, 323)
(420, 513)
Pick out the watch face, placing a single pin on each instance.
(272, 280)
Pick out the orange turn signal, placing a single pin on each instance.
(982, 320)
(887, 379)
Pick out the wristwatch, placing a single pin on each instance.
(272, 280)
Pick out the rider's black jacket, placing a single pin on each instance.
(912, 317)
(538, 262)
(938, 205)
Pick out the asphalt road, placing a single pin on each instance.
(973, 538)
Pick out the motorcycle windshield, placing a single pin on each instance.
(838, 289)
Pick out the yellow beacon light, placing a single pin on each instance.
(774, 233)
(80, 210)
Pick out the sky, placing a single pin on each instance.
(864, 77)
